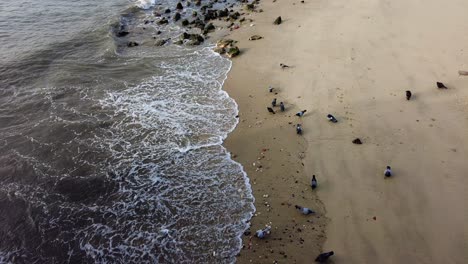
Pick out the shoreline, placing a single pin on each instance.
(278, 179)
(356, 68)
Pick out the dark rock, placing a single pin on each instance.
(233, 52)
(250, 7)
(163, 21)
(177, 16)
(247, 232)
(132, 44)
(160, 42)
(159, 32)
(235, 15)
(210, 15)
(167, 11)
(185, 22)
(122, 34)
(357, 141)
(277, 21)
(209, 27)
(255, 37)
(223, 43)
(223, 13)
(179, 6)
(194, 13)
(199, 24)
(219, 50)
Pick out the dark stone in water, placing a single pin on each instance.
(185, 22)
(159, 32)
(209, 27)
(81, 189)
(160, 42)
(223, 13)
(167, 11)
(122, 34)
(163, 21)
(179, 6)
(210, 14)
(235, 15)
(132, 44)
(177, 17)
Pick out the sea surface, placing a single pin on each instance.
(109, 153)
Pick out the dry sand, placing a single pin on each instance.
(356, 59)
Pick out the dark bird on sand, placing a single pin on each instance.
(388, 172)
(273, 103)
(299, 129)
(271, 110)
(441, 85)
(282, 107)
(314, 183)
(304, 210)
(324, 257)
(270, 89)
(283, 66)
(331, 118)
(408, 95)
(301, 113)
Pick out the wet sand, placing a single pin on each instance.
(355, 60)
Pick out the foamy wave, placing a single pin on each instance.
(145, 4)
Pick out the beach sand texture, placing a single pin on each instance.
(355, 60)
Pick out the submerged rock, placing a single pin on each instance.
(160, 42)
(179, 6)
(163, 21)
(122, 34)
(132, 44)
(177, 16)
(185, 22)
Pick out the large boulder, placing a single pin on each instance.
(278, 21)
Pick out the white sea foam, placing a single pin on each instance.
(145, 4)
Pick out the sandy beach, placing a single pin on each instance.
(355, 60)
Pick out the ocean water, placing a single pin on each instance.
(110, 154)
